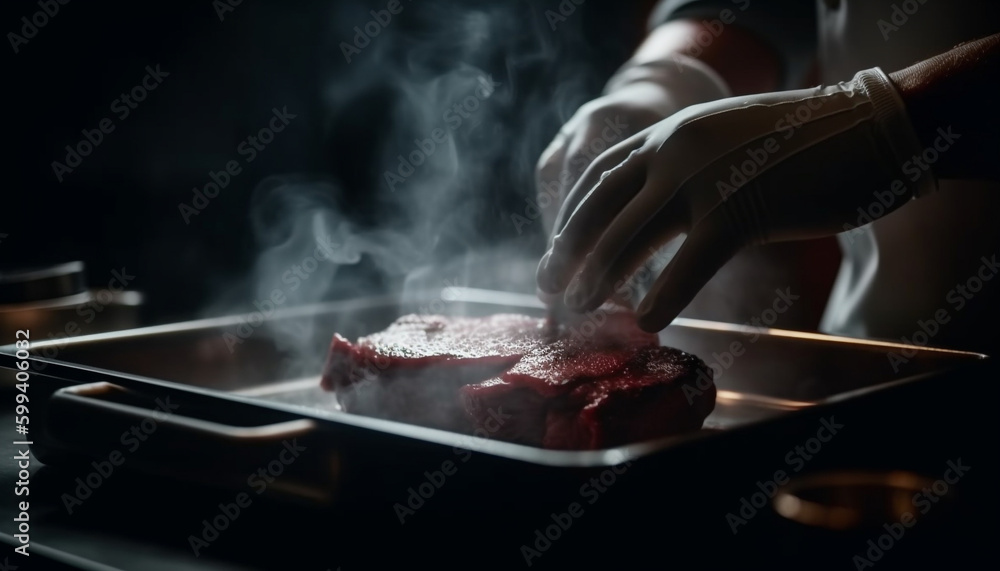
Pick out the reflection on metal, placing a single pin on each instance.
(760, 400)
(279, 388)
(849, 500)
(822, 337)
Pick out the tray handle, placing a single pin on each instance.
(154, 435)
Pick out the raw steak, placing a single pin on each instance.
(412, 371)
(627, 395)
(596, 383)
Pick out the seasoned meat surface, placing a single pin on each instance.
(642, 394)
(593, 384)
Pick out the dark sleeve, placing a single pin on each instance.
(788, 26)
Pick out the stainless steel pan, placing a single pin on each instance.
(239, 401)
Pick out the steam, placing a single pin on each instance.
(456, 132)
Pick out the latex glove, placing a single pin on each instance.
(636, 97)
(731, 173)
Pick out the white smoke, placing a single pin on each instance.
(454, 132)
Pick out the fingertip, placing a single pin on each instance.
(550, 300)
(590, 303)
(649, 322)
(542, 279)
(656, 312)
(556, 274)
(591, 296)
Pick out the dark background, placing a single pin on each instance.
(120, 207)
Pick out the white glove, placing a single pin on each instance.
(731, 173)
(635, 97)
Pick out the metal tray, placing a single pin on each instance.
(248, 384)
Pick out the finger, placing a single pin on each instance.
(709, 245)
(550, 300)
(549, 191)
(575, 163)
(593, 174)
(555, 309)
(629, 242)
(619, 180)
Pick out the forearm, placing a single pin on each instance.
(957, 90)
(744, 62)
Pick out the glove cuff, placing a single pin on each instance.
(894, 123)
(693, 80)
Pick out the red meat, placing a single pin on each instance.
(643, 394)
(596, 383)
(412, 371)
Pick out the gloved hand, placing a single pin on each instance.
(636, 97)
(731, 173)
